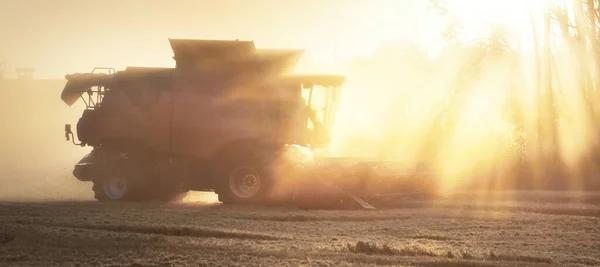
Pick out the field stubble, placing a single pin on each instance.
(517, 228)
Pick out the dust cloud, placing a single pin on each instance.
(36, 161)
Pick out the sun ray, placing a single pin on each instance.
(478, 99)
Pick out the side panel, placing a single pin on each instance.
(145, 119)
(191, 121)
(206, 121)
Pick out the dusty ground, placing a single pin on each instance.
(504, 229)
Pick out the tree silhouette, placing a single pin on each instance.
(579, 32)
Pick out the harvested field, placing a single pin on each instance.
(518, 228)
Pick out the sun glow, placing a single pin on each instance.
(514, 16)
(474, 109)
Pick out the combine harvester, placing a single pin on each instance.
(228, 118)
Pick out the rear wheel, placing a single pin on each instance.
(116, 185)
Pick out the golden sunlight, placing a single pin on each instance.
(480, 102)
(516, 19)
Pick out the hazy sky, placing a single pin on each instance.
(63, 36)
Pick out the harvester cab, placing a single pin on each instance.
(314, 102)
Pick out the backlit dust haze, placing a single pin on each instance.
(473, 100)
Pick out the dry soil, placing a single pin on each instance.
(500, 229)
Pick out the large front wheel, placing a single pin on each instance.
(244, 181)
